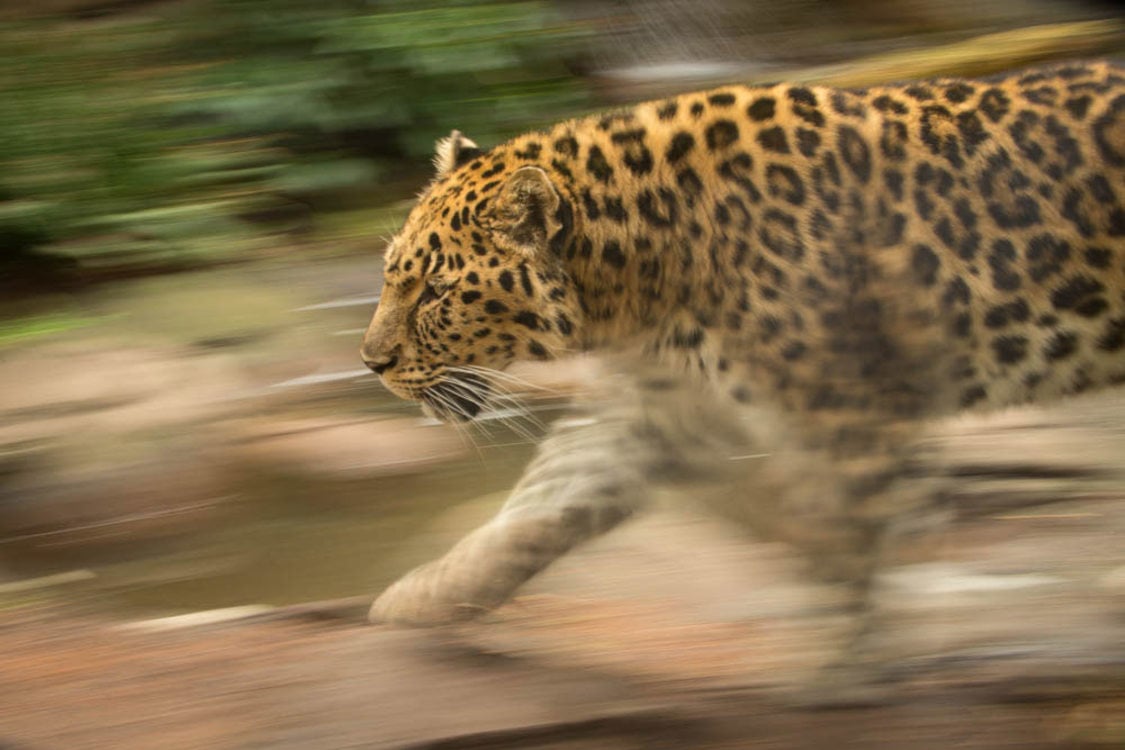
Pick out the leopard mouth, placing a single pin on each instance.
(460, 397)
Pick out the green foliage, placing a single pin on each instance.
(167, 139)
(384, 80)
(22, 330)
(90, 164)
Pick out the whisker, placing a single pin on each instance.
(497, 396)
(514, 415)
(445, 404)
(511, 421)
(471, 391)
(492, 400)
(498, 376)
(464, 391)
(465, 432)
(513, 404)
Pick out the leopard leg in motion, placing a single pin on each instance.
(592, 472)
(886, 494)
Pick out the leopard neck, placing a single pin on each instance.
(643, 261)
(638, 270)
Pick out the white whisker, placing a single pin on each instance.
(493, 401)
(462, 429)
(518, 409)
(463, 391)
(501, 392)
(498, 394)
(471, 391)
(511, 420)
(498, 376)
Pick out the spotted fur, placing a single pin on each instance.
(837, 264)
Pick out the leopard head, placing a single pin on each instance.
(473, 282)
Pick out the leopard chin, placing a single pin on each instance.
(457, 398)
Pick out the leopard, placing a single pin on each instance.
(804, 273)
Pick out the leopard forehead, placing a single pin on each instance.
(447, 227)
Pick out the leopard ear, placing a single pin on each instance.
(525, 215)
(454, 151)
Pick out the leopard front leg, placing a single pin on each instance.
(583, 482)
(593, 471)
(484, 569)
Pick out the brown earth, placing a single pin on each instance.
(1006, 632)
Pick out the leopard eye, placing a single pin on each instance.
(431, 291)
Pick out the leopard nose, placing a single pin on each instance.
(382, 363)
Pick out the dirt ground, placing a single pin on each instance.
(80, 684)
(1007, 631)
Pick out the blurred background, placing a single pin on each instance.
(193, 195)
(192, 200)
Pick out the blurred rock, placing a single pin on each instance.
(79, 499)
(105, 444)
(345, 449)
(141, 426)
(98, 387)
